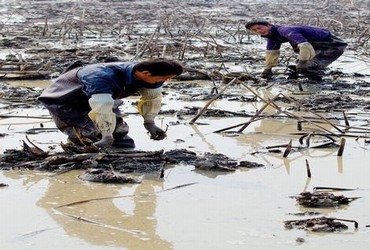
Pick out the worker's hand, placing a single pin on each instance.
(106, 141)
(156, 133)
(302, 67)
(267, 74)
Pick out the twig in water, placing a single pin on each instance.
(341, 147)
(34, 233)
(299, 126)
(356, 223)
(119, 196)
(210, 101)
(39, 149)
(258, 113)
(293, 115)
(136, 232)
(345, 119)
(308, 169)
(335, 189)
(288, 149)
(315, 113)
(162, 173)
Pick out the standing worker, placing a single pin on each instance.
(84, 101)
(316, 47)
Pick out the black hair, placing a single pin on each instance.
(160, 67)
(249, 24)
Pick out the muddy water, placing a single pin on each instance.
(241, 210)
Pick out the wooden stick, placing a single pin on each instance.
(322, 117)
(308, 169)
(359, 128)
(258, 113)
(210, 101)
(235, 126)
(25, 116)
(120, 196)
(277, 146)
(345, 119)
(146, 44)
(341, 147)
(80, 218)
(288, 113)
(299, 126)
(288, 149)
(31, 72)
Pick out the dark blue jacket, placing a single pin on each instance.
(111, 78)
(77, 85)
(295, 35)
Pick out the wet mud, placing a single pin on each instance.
(109, 167)
(222, 65)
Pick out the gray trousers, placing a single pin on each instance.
(76, 123)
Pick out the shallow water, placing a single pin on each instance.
(240, 210)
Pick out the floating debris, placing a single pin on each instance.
(216, 162)
(181, 156)
(249, 164)
(307, 213)
(320, 224)
(99, 166)
(213, 166)
(331, 189)
(300, 240)
(106, 176)
(322, 200)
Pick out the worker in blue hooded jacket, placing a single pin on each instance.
(84, 101)
(316, 47)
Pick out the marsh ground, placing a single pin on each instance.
(240, 210)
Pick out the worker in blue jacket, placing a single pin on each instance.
(316, 47)
(84, 101)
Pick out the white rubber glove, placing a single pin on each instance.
(102, 115)
(149, 104)
(271, 58)
(306, 51)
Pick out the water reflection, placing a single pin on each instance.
(340, 164)
(127, 222)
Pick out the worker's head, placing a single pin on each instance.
(260, 27)
(157, 70)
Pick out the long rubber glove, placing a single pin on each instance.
(102, 115)
(271, 58)
(149, 104)
(306, 51)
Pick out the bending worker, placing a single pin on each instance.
(316, 47)
(84, 101)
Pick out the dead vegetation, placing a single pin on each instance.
(42, 40)
(113, 167)
(320, 224)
